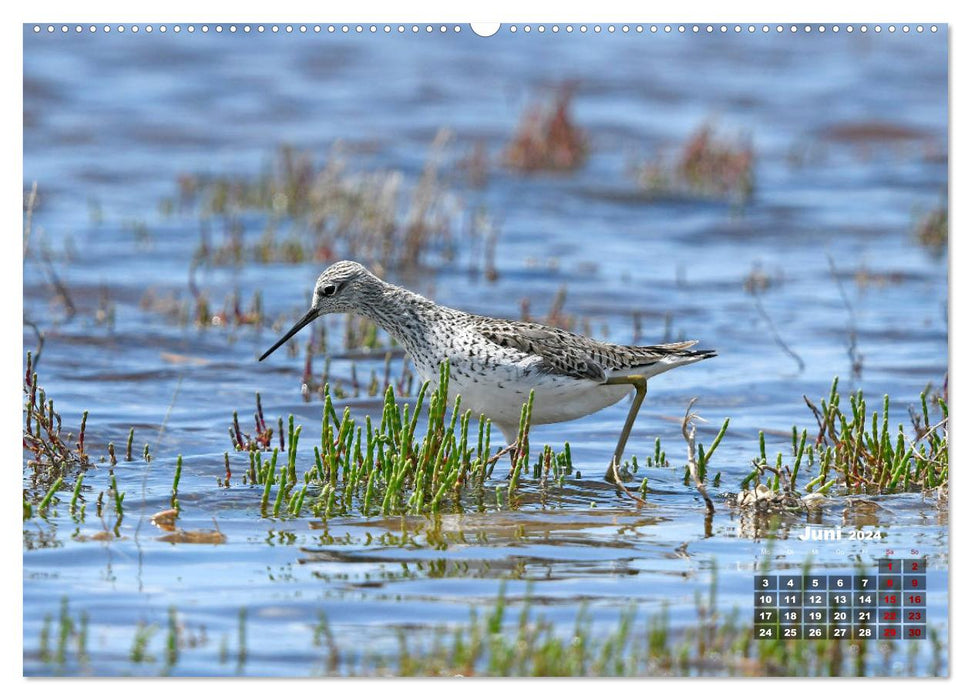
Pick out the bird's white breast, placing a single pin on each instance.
(499, 390)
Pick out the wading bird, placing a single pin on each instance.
(495, 363)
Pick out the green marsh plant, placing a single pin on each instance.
(856, 451)
(384, 466)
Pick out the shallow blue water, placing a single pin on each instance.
(110, 122)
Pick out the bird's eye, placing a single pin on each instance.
(329, 290)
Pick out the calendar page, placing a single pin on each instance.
(889, 604)
(387, 349)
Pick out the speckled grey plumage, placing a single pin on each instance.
(494, 363)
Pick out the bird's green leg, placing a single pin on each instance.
(639, 383)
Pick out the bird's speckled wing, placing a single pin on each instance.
(574, 355)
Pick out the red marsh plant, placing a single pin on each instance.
(547, 138)
(706, 166)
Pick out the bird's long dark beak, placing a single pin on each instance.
(310, 316)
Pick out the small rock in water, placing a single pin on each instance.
(762, 497)
(814, 500)
(165, 519)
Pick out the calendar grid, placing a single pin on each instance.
(890, 604)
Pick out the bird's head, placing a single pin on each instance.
(342, 287)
